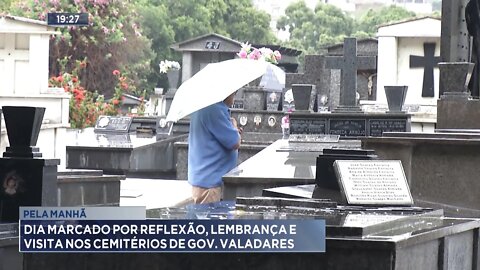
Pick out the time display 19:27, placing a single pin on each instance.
(79, 19)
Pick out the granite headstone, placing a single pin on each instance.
(27, 179)
(273, 100)
(325, 176)
(349, 63)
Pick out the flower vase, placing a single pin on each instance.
(454, 78)
(23, 127)
(173, 78)
(302, 95)
(396, 95)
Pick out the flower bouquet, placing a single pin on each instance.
(167, 65)
(266, 54)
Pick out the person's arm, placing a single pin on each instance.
(240, 130)
(223, 129)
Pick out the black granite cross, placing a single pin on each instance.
(349, 63)
(428, 62)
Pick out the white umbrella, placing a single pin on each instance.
(214, 83)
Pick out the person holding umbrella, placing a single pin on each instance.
(214, 137)
(213, 144)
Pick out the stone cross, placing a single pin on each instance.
(349, 63)
(427, 62)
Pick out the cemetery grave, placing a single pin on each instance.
(24, 53)
(442, 166)
(372, 234)
(31, 180)
(256, 108)
(398, 224)
(138, 146)
(282, 163)
(347, 119)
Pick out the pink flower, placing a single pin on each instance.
(256, 54)
(277, 55)
(263, 53)
(242, 54)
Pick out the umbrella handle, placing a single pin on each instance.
(170, 130)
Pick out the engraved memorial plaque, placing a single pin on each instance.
(309, 138)
(348, 127)
(378, 126)
(365, 220)
(113, 124)
(163, 126)
(307, 125)
(373, 182)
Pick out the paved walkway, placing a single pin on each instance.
(154, 193)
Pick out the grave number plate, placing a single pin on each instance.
(212, 45)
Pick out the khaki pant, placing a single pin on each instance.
(206, 195)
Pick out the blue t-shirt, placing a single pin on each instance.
(210, 146)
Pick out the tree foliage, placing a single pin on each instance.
(5, 5)
(245, 23)
(437, 5)
(113, 40)
(369, 22)
(135, 35)
(166, 22)
(313, 30)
